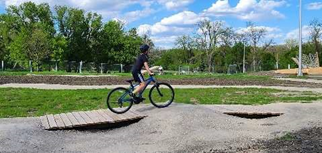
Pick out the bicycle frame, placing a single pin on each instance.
(147, 82)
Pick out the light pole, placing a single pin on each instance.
(300, 41)
(244, 58)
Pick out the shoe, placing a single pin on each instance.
(136, 100)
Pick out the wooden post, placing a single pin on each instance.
(101, 68)
(30, 66)
(80, 66)
(2, 65)
(289, 66)
(121, 68)
(56, 66)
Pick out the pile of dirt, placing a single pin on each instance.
(305, 140)
(112, 80)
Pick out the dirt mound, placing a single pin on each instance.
(305, 140)
(69, 80)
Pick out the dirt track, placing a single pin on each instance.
(68, 80)
(178, 128)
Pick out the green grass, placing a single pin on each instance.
(239, 76)
(288, 137)
(36, 102)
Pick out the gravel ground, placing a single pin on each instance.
(178, 128)
(305, 140)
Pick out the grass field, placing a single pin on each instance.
(35, 102)
(238, 76)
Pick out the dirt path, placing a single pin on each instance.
(300, 80)
(178, 128)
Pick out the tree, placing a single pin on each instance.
(81, 31)
(315, 34)
(255, 34)
(290, 43)
(210, 33)
(20, 24)
(132, 41)
(38, 47)
(59, 44)
(186, 43)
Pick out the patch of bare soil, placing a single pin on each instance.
(305, 140)
(69, 80)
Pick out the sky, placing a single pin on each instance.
(165, 20)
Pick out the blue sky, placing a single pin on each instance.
(165, 20)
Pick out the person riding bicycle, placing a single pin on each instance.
(142, 60)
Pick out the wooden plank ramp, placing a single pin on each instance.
(87, 118)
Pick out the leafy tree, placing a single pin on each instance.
(186, 43)
(131, 46)
(315, 34)
(59, 45)
(20, 23)
(38, 47)
(268, 61)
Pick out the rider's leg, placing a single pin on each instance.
(139, 89)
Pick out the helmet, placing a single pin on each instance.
(144, 48)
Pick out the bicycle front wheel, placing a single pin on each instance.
(119, 101)
(161, 95)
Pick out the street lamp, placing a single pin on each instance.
(300, 41)
(244, 57)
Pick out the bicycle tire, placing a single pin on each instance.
(165, 87)
(123, 92)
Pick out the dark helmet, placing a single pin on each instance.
(144, 48)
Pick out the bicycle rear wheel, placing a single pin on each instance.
(119, 101)
(161, 95)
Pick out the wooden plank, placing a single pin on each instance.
(93, 117)
(66, 121)
(73, 120)
(112, 115)
(123, 117)
(128, 116)
(59, 121)
(86, 118)
(100, 117)
(79, 118)
(52, 122)
(44, 122)
(108, 118)
(138, 114)
(132, 115)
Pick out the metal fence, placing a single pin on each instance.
(67, 66)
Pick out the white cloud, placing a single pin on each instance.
(182, 18)
(165, 32)
(175, 4)
(314, 6)
(294, 34)
(135, 15)
(165, 42)
(247, 9)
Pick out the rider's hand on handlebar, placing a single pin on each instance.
(151, 74)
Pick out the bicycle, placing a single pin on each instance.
(119, 100)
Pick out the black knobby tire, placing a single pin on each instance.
(113, 100)
(167, 95)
